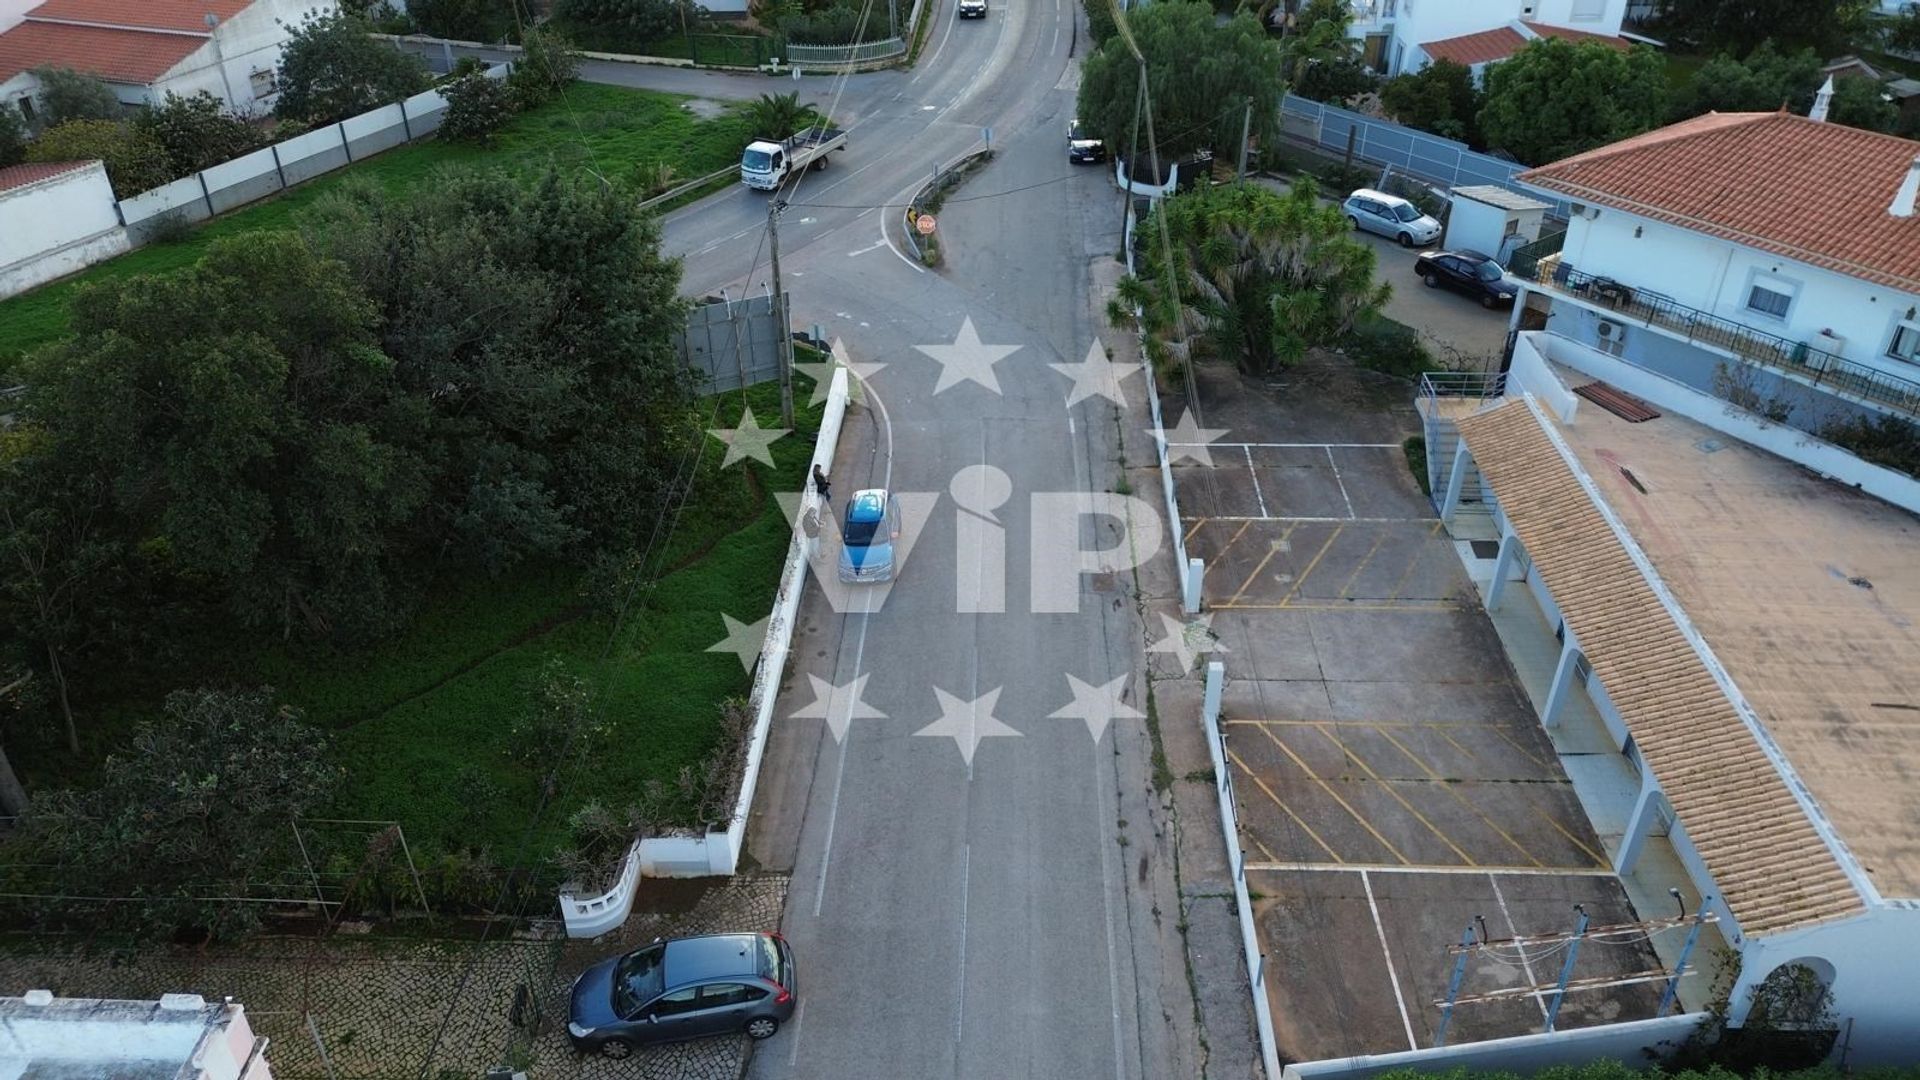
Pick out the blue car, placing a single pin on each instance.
(872, 527)
(684, 988)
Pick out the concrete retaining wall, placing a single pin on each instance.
(1636, 1044)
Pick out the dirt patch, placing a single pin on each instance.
(705, 108)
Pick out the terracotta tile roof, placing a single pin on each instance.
(1470, 49)
(185, 15)
(1502, 42)
(1773, 868)
(123, 56)
(18, 176)
(1816, 192)
(1568, 33)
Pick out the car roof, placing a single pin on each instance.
(713, 956)
(867, 504)
(1462, 253)
(1369, 193)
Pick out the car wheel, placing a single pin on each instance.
(820, 163)
(1433, 281)
(1406, 240)
(762, 1027)
(1355, 221)
(617, 1048)
(1489, 302)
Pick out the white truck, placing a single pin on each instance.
(765, 164)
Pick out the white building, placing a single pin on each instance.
(1768, 248)
(145, 49)
(55, 219)
(181, 1037)
(1405, 35)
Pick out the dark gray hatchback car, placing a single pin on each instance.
(684, 988)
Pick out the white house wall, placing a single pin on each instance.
(1874, 957)
(250, 41)
(56, 226)
(1716, 276)
(1563, 13)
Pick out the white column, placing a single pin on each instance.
(1190, 583)
(1646, 810)
(1510, 548)
(1562, 683)
(1456, 477)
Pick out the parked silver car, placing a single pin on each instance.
(683, 989)
(1390, 215)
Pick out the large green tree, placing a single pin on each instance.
(198, 132)
(1863, 103)
(1741, 25)
(1200, 75)
(134, 159)
(196, 806)
(1440, 98)
(471, 20)
(1261, 277)
(1761, 82)
(66, 95)
(1554, 98)
(331, 69)
(537, 326)
(13, 137)
(246, 425)
(1320, 60)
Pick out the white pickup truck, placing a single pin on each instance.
(765, 164)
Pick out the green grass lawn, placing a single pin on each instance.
(605, 130)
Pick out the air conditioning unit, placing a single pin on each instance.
(1613, 337)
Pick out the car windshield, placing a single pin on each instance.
(1076, 131)
(769, 966)
(757, 160)
(1487, 271)
(860, 533)
(638, 979)
(1406, 212)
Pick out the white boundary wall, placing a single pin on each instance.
(1629, 1043)
(718, 853)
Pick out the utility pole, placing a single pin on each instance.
(1246, 128)
(785, 342)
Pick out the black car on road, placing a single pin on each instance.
(684, 988)
(1469, 272)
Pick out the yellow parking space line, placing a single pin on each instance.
(1328, 788)
(1191, 533)
(1234, 539)
(1261, 565)
(1413, 561)
(1347, 588)
(1462, 800)
(1284, 808)
(1599, 861)
(1296, 867)
(1308, 572)
(1515, 743)
(1387, 787)
(1457, 745)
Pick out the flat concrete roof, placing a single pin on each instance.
(1500, 197)
(1807, 591)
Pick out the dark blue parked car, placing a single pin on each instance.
(683, 989)
(872, 527)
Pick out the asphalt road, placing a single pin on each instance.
(961, 919)
(954, 917)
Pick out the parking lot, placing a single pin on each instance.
(1394, 784)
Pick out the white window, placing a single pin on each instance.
(1770, 298)
(1905, 344)
(266, 83)
(1589, 9)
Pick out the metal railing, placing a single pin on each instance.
(1525, 260)
(1802, 359)
(810, 55)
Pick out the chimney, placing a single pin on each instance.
(1821, 100)
(1902, 205)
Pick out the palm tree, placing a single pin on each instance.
(778, 115)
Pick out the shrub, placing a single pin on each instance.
(547, 65)
(197, 132)
(68, 95)
(1383, 345)
(1883, 440)
(135, 160)
(476, 107)
(13, 137)
(635, 20)
(1416, 450)
(331, 70)
(469, 20)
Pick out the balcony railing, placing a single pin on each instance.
(1816, 365)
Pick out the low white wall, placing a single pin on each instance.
(1629, 1042)
(1530, 374)
(61, 261)
(718, 853)
(1791, 443)
(1237, 859)
(56, 225)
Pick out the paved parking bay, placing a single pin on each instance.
(1394, 784)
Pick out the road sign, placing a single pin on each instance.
(925, 224)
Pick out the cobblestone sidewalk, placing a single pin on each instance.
(381, 1007)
